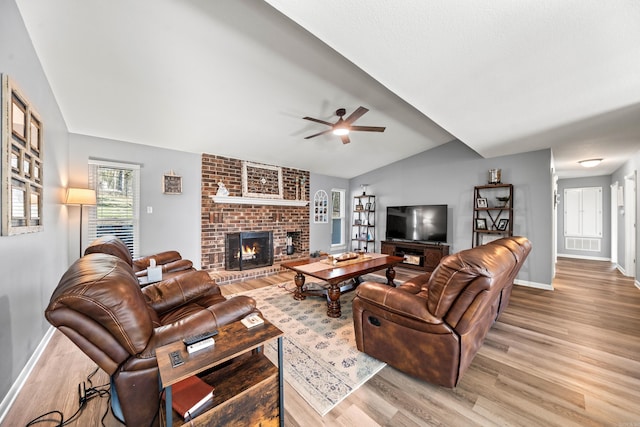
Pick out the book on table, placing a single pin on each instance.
(191, 397)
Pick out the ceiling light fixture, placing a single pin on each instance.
(340, 131)
(589, 163)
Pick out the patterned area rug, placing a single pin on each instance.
(321, 361)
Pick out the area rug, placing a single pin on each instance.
(321, 361)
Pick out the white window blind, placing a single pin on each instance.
(117, 211)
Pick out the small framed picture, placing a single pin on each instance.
(503, 224)
(481, 224)
(357, 222)
(171, 183)
(367, 207)
(481, 202)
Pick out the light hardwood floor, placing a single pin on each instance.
(555, 358)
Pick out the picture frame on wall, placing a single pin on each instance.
(171, 183)
(481, 224)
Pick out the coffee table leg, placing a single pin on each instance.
(391, 274)
(333, 301)
(299, 281)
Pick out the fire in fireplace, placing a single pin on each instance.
(247, 250)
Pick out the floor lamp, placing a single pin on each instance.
(82, 197)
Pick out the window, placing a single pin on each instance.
(21, 162)
(337, 217)
(117, 207)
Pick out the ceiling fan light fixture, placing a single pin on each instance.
(340, 131)
(590, 163)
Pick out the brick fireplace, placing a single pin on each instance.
(220, 218)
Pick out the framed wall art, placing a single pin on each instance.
(320, 207)
(22, 162)
(262, 181)
(171, 183)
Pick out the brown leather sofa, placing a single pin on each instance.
(171, 261)
(432, 326)
(99, 305)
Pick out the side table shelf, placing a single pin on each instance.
(249, 390)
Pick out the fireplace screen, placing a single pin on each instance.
(247, 250)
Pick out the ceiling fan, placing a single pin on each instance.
(343, 126)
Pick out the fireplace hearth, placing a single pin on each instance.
(247, 250)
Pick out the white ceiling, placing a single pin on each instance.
(235, 78)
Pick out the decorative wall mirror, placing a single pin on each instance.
(22, 168)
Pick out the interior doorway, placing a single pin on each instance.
(630, 224)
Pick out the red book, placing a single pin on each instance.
(191, 396)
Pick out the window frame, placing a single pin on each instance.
(339, 214)
(93, 169)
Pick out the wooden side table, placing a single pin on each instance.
(244, 387)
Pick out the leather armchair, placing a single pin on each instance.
(99, 305)
(171, 261)
(432, 326)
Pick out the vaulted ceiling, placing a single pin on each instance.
(235, 78)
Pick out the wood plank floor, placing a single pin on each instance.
(568, 357)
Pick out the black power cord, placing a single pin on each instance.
(84, 396)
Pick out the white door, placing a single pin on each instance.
(630, 224)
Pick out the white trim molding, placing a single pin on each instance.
(12, 394)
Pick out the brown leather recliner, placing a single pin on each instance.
(171, 261)
(432, 326)
(99, 305)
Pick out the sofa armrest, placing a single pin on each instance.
(161, 258)
(191, 286)
(170, 267)
(396, 300)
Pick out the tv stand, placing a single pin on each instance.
(417, 255)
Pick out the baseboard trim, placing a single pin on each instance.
(536, 285)
(11, 396)
(592, 258)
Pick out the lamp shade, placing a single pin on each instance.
(80, 196)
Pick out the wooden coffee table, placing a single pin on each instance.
(336, 273)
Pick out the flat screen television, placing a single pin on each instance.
(422, 223)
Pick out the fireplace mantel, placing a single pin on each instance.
(258, 201)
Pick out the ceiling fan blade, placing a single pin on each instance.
(345, 139)
(368, 128)
(318, 134)
(356, 115)
(318, 121)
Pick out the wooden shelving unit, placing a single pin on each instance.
(363, 228)
(492, 212)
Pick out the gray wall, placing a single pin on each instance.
(447, 175)
(603, 181)
(629, 167)
(175, 221)
(320, 234)
(31, 264)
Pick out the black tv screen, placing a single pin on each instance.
(423, 223)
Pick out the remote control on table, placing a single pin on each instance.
(200, 337)
(176, 359)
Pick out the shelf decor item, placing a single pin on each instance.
(503, 224)
(494, 176)
(481, 202)
(503, 202)
(481, 224)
